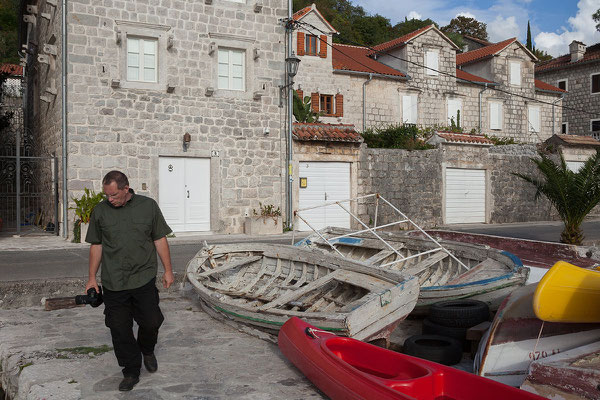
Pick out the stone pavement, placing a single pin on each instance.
(67, 355)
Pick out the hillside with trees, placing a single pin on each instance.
(9, 25)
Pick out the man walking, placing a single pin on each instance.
(126, 231)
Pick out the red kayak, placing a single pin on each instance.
(345, 368)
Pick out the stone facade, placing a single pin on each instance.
(114, 123)
(414, 182)
(384, 94)
(581, 106)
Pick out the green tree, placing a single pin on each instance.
(573, 194)
(303, 110)
(529, 44)
(411, 25)
(596, 17)
(467, 26)
(9, 24)
(542, 55)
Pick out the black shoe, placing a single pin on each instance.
(150, 362)
(128, 383)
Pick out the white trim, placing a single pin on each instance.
(566, 81)
(140, 56)
(591, 123)
(231, 66)
(497, 122)
(566, 125)
(410, 108)
(451, 113)
(531, 125)
(433, 63)
(511, 76)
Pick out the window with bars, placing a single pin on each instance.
(142, 62)
(311, 45)
(231, 69)
(326, 104)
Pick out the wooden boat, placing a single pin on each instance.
(568, 293)
(446, 270)
(264, 285)
(344, 368)
(572, 375)
(517, 337)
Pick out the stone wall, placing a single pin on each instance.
(114, 124)
(413, 182)
(577, 98)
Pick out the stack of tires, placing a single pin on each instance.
(445, 330)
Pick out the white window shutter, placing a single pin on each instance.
(231, 73)
(515, 73)
(534, 119)
(432, 62)
(409, 109)
(495, 115)
(454, 105)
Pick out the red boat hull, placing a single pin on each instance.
(345, 368)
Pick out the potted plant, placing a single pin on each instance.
(83, 210)
(267, 221)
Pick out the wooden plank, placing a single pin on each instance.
(227, 266)
(302, 279)
(301, 292)
(271, 280)
(257, 277)
(59, 303)
(371, 283)
(427, 263)
(378, 257)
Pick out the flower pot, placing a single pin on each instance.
(263, 225)
(84, 229)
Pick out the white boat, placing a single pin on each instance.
(264, 285)
(517, 337)
(446, 270)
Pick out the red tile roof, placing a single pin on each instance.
(484, 52)
(11, 69)
(301, 13)
(326, 132)
(546, 86)
(354, 58)
(401, 41)
(578, 140)
(460, 74)
(298, 15)
(464, 138)
(592, 53)
(478, 40)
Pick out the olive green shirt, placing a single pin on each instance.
(127, 236)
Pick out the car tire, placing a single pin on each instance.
(439, 349)
(459, 313)
(431, 328)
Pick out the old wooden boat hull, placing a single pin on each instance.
(344, 368)
(572, 375)
(486, 274)
(568, 293)
(517, 337)
(264, 285)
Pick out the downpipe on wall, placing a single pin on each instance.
(365, 83)
(65, 195)
(480, 96)
(562, 96)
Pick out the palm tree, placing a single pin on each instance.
(573, 194)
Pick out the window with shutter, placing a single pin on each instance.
(409, 109)
(141, 60)
(339, 105)
(311, 45)
(326, 104)
(454, 106)
(432, 62)
(534, 119)
(495, 115)
(300, 44)
(231, 69)
(323, 46)
(515, 73)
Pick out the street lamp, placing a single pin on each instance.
(291, 68)
(291, 65)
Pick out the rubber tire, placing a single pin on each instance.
(432, 328)
(459, 313)
(439, 349)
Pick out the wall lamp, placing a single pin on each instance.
(187, 138)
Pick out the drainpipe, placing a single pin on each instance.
(65, 195)
(289, 187)
(365, 83)
(553, 103)
(480, 94)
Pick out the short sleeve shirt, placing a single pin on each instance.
(127, 236)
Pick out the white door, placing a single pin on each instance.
(325, 182)
(465, 195)
(184, 193)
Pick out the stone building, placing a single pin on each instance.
(180, 95)
(419, 79)
(579, 74)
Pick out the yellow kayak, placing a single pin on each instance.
(568, 293)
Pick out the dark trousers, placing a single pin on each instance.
(121, 309)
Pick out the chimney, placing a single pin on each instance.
(577, 50)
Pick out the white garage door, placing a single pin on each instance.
(184, 193)
(465, 195)
(325, 182)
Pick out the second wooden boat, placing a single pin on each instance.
(446, 270)
(264, 285)
(568, 293)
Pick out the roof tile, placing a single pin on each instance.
(460, 74)
(354, 58)
(326, 132)
(578, 140)
(464, 138)
(546, 86)
(401, 41)
(11, 69)
(484, 52)
(592, 53)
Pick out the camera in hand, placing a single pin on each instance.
(92, 297)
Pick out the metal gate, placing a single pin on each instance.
(28, 175)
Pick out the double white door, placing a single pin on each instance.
(325, 182)
(184, 193)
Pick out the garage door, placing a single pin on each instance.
(465, 195)
(325, 182)
(184, 193)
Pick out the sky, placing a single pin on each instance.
(554, 23)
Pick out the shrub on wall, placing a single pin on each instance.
(406, 137)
